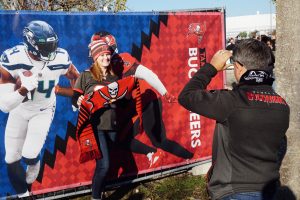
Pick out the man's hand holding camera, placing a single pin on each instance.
(220, 58)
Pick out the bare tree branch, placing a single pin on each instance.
(65, 5)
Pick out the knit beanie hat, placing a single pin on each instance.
(97, 48)
(108, 38)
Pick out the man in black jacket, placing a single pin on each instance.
(251, 123)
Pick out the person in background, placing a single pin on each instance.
(231, 44)
(251, 123)
(267, 40)
(29, 74)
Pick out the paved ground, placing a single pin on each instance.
(229, 77)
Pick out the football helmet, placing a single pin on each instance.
(108, 38)
(40, 40)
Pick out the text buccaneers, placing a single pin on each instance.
(197, 58)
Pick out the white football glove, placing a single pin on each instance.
(29, 82)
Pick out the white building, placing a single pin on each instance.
(264, 23)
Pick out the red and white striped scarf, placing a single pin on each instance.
(94, 101)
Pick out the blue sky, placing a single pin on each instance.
(233, 7)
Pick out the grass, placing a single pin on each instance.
(178, 187)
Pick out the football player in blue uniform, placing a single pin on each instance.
(29, 74)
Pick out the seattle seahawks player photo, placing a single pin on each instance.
(29, 75)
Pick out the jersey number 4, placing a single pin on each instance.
(48, 90)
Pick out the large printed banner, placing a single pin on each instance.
(173, 45)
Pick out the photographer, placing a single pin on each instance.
(251, 122)
(267, 40)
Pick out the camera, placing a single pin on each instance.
(229, 62)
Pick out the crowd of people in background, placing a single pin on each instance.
(269, 40)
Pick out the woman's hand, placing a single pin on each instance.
(80, 100)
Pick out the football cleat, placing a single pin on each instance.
(153, 158)
(32, 172)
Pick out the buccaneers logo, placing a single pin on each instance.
(113, 90)
(197, 29)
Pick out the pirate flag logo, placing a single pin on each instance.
(197, 30)
(113, 90)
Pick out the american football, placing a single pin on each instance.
(18, 80)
